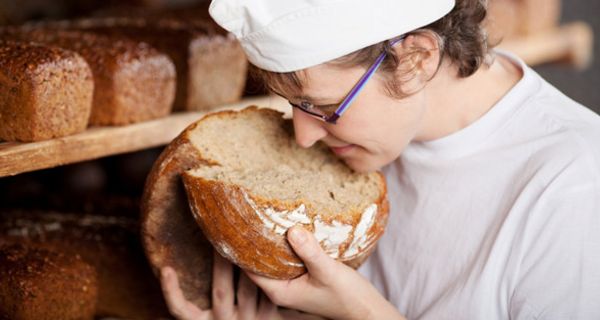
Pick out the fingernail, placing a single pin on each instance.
(297, 235)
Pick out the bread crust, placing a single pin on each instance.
(234, 228)
(170, 235)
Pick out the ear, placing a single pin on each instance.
(420, 54)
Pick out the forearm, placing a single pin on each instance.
(382, 309)
(371, 305)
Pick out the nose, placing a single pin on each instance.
(308, 130)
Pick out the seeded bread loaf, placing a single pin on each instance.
(39, 283)
(133, 82)
(45, 92)
(108, 243)
(211, 66)
(249, 182)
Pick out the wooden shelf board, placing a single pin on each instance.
(97, 142)
(570, 43)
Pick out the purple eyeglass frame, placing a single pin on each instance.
(355, 90)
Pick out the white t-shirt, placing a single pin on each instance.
(500, 220)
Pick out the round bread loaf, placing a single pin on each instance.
(33, 284)
(247, 182)
(264, 183)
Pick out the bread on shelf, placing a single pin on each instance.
(41, 283)
(133, 82)
(211, 65)
(249, 183)
(109, 243)
(45, 92)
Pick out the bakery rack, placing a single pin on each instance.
(532, 29)
(98, 142)
(570, 43)
(528, 28)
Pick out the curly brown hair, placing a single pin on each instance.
(461, 38)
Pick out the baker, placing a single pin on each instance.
(493, 174)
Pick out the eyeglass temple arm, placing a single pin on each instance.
(360, 84)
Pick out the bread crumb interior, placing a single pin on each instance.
(257, 151)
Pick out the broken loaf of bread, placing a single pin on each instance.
(262, 183)
(248, 182)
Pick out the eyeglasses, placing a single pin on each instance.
(321, 112)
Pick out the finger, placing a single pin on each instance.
(266, 308)
(246, 297)
(275, 289)
(176, 302)
(305, 245)
(222, 288)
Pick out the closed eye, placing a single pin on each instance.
(321, 108)
(327, 108)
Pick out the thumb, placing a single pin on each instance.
(306, 246)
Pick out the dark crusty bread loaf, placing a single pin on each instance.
(133, 82)
(241, 220)
(109, 243)
(45, 92)
(39, 283)
(211, 66)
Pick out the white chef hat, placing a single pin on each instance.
(290, 35)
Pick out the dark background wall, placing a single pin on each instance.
(582, 86)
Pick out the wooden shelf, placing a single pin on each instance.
(97, 142)
(570, 43)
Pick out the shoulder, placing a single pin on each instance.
(563, 132)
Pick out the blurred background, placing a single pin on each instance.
(581, 85)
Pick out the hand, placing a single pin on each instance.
(329, 288)
(250, 303)
(223, 306)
